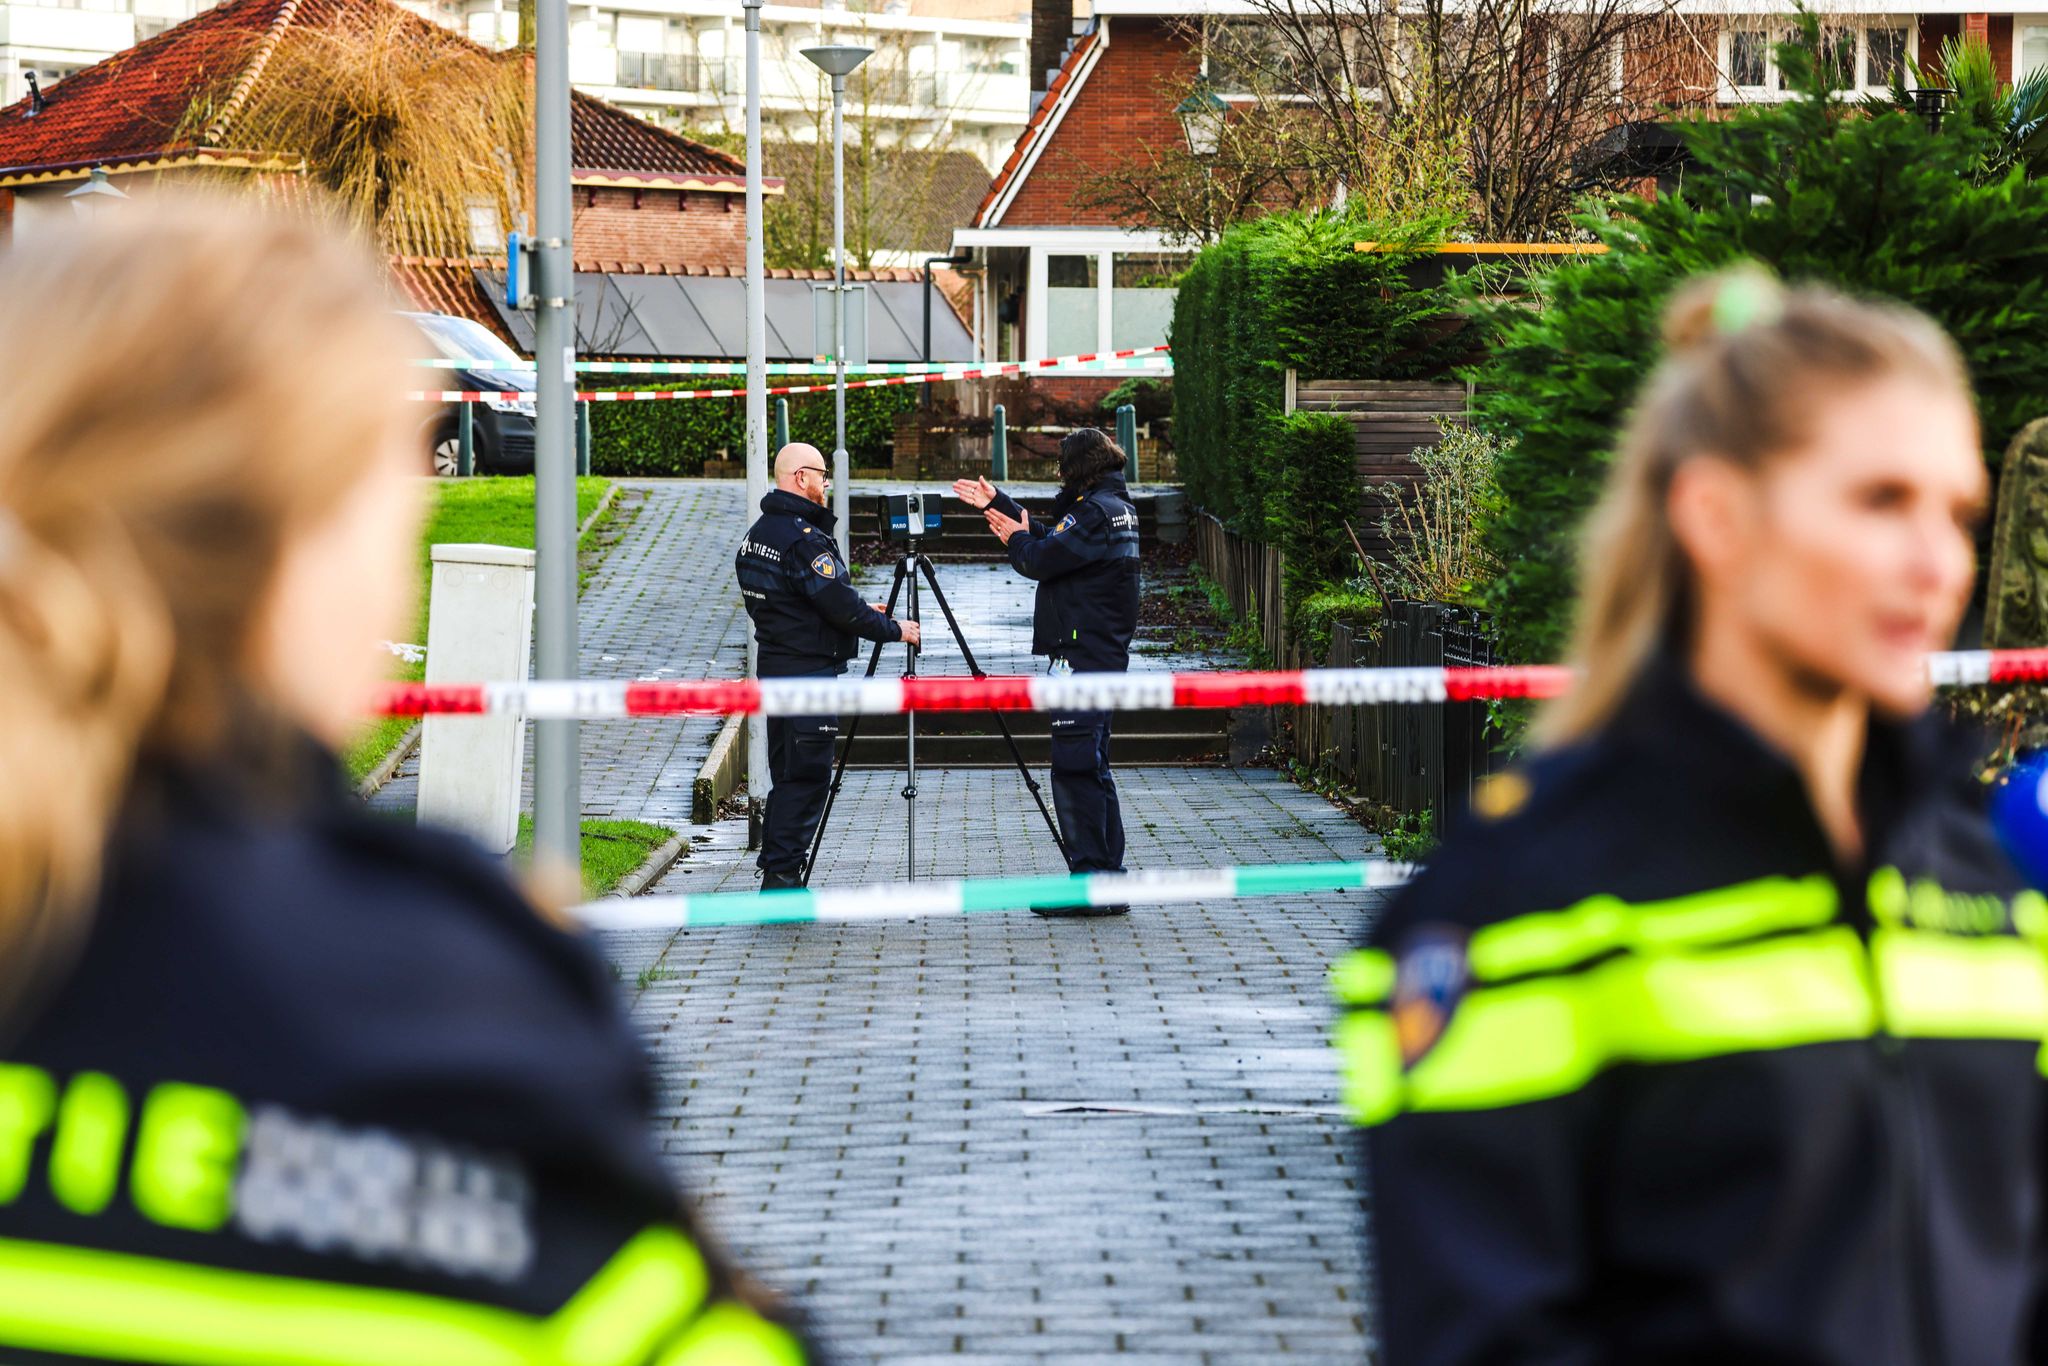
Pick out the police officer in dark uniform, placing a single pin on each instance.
(806, 618)
(1716, 1037)
(281, 1080)
(1086, 564)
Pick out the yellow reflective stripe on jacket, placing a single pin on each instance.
(642, 1295)
(86, 1302)
(111, 1304)
(1948, 986)
(1550, 941)
(1370, 1066)
(729, 1335)
(1547, 1036)
(1363, 977)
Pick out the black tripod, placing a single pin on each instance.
(913, 562)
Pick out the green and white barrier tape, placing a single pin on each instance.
(908, 900)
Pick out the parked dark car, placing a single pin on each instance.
(502, 424)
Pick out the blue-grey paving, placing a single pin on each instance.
(1010, 1139)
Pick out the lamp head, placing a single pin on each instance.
(838, 59)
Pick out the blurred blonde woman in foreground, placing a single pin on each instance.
(279, 1082)
(1715, 1039)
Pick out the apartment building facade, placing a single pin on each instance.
(947, 73)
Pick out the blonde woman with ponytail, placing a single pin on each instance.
(279, 1082)
(1713, 1036)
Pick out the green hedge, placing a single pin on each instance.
(1290, 291)
(1307, 505)
(1869, 202)
(676, 436)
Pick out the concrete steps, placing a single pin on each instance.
(972, 739)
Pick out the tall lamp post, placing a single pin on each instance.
(757, 395)
(557, 782)
(838, 61)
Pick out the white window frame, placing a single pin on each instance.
(1773, 86)
(1103, 245)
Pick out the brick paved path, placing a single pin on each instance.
(1009, 1139)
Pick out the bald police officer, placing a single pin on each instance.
(806, 617)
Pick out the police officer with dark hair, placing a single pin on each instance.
(806, 616)
(1086, 565)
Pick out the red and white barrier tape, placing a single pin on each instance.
(597, 699)
(594, 699)
(656, 395)
(719, 367)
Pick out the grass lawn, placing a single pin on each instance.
(482, 511)
(611, 849)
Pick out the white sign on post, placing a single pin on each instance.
(479, 626)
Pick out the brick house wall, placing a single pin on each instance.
(660, 227)
(1128, 101)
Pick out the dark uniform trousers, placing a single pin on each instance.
(1084, 793)
(800, 750)
(1084, 558)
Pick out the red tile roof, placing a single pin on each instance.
(138, 107)
(134, 106)
(604, 138)
(1061, 89)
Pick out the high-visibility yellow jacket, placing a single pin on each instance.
(1645, 1076)
(323, 1090)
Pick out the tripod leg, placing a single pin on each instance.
(910, 742)
(852, 732)
(931, 575)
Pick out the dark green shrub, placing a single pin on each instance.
(1322, 610)
(1872, 203)
(1315, 490)
(676, 436)
(1290, 291)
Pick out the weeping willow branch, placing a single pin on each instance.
(404, 125)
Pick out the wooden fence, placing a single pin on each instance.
(1416, 759)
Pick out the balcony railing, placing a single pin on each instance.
(681, 72)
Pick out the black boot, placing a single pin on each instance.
(777, 882)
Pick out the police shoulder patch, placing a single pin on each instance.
(1430, 974)
(826, 566)
(1065, 522)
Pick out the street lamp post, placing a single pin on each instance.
(557, 781)
(838, 61)
(757, 394)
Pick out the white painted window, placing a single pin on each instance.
(2033, 53)
(1073, 305)
(1863, 57)
(1141, 297)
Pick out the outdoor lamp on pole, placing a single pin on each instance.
(1201, 117)
(838, 61)
(1928, 102)
(97, 194)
